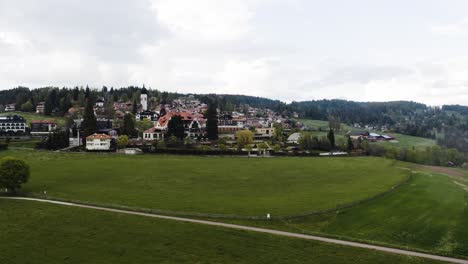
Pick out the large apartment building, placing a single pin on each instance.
(12, 124)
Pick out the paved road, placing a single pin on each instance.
(255, 229)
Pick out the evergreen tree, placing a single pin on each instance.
(331, 138)
(212, 122)
(175, 127)
(87, 92)
(89, 124)
(134, 106)
(65, 104)
(128, 127)
(51, 102)
(350, 144)
(76, 93)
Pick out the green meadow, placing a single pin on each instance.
(42, 233)
(214, 185)
(428, 213)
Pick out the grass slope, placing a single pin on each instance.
(40, 233)
(430, 213)
(408, 141)
(33, 116)
(225, 185)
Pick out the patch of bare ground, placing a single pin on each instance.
(444, 170)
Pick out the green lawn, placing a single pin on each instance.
(409, 141)
(224, 185)
(40, 233)
(33, 116)
(23, 143)
(323, 125)
(430, 213)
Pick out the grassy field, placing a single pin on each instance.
(224, 185)
(323, 125)
(430, 213)
(33, 116)
(401, 140)
(39, 233)
(409, 141)
(23, 143)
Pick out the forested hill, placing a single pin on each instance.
(377, 113)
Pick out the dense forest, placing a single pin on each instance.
(448, 124)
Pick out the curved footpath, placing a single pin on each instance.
(255, 229)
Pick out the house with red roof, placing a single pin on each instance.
(42, 127)
(194, 125)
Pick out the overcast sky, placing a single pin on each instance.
(363, 50)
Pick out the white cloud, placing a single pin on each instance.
(208, 20)
(245, 77)
(454, 29)
(287, 50)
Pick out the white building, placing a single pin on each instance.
(147, 115)
(144, 101)
(98, 142)
(10, 107)
(100, 103)
(264, 132)
(40, 108)
(294, 138)
(12, 124)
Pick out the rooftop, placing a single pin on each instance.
(99, 136)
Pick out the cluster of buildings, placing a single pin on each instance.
(16, 125)
(372, 137)
(189, 109)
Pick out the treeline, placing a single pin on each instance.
(55, 141)
(376, 113)
(227, 102)
(449, 124)
(435, 155)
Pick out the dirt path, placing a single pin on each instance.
(255, 229)
(444, 170)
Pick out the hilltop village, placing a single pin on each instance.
(184, 123)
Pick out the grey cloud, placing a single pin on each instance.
(111, 30)
(363, 74)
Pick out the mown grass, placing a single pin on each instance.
(41, 233)
(408, 141)
(23, 143)
(222, 185)
(430, 213)
(33, 116)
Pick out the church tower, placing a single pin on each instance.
(144, 99)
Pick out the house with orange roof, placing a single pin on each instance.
(98, 142)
